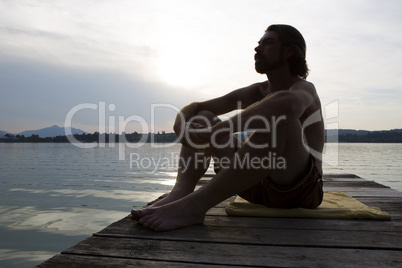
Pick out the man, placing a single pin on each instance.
(279, 113)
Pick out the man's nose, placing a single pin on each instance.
(257, 48)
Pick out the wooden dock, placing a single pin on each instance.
(254, 242)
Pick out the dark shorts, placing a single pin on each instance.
(307, 193)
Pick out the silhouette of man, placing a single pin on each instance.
(279, 165)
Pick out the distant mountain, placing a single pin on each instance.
(3, 133)
(52, 131)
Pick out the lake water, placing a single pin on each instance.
(55, 195)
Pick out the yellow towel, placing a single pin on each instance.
(335, 205)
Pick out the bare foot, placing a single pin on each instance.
(173, 196)
(170, 216)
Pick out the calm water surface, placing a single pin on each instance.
(55, 195)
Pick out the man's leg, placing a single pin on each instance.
(232, 179)
(191, 167)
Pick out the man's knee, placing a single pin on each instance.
(276, 135)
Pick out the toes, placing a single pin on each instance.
(144, 212)
(162, 228)
(154, 226)
(147, 221)
(134, 215)
(158, 229)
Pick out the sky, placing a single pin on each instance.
(130, 65)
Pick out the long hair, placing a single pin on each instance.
(290, 36)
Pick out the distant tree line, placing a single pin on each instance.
(97, 137)
(371, 136)
(393, 136)
(378, 137)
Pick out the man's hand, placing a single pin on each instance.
(194, 127)
(196, 136)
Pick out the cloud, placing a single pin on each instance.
(134, 53)
(36, 91)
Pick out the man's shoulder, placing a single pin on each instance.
(259, 86)
(303, 84)
(257, 90)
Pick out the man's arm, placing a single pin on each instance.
(227, 103)
(280, 106)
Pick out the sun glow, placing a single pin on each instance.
(179, 66)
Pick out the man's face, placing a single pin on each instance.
(269, 53)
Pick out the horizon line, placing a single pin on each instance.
(114, 133)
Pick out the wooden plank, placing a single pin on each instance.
(79, 261)
(379, 201)
(386, 206)
(378, 192)
(395, 213)
(232, 254)
(340, 176)
(310, 224)
(264, 236)
(343, 180)
(285, 223)
(337, 177)
(254, 242)
(355, 184)
(357, 188)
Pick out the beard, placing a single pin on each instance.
(262, 66)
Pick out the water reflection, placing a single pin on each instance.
(126, 195)
(55, 195)
(379, 162)
(11, 257)
(63, 221)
